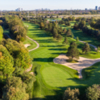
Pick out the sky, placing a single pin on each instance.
(50, 4)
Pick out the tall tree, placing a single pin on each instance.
(64, 31)
(42, 25)
(55, 33)
(65, 41)
(68, 33)
(6, 62)
(73, 51)
(86, 48)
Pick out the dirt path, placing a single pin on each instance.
(29, 69)
(79, 66)
(35, 42)
(90, 45)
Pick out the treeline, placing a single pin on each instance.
(15, 82)
(14, 60)
(95, 24)
(56, 30)
(16, 28)
(92, 93)
(89, 31)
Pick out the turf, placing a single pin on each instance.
(53, 79)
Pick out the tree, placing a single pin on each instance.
(71, 94)
(42, 25)
(77, 39)
(6, 62)
(22, 59)
(29, 80)
(64, 31)
(73, 51)
(55, 33)
(68, 33)
(50, 27)
(15, 89)
(65, 41)
(86, 48)
(1, 33)
(82, 24)
(67, 23)
(93, 93)
(59, 37)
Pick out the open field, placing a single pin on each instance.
(86, 16)
(53, 79)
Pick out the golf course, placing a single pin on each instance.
(52, 79)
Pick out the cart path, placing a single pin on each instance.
(35, 42)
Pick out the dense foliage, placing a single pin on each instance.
(15, 89)
(73, 51)
(16, 28)
(1, 33)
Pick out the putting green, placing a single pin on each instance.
(56, 77)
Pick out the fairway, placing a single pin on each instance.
(53, 79)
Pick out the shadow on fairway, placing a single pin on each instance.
(43, 59)
(59, 93)
(59, 49)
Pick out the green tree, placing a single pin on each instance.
(65, 41)
(50, 27)
(59, 37)
(68, 33)
(77, 39)
(86, 48)
(29, 80)
(93, 93)
(73, 51)
(64, 31)
(6, 62)
(71, 94)
(55, 33)
(15, 89)
(42, 25)
(1, 33)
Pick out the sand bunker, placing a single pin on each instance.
(27, 45)
(79, 66)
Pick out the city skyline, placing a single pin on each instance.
(52, 4)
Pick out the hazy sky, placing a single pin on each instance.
(51, 4)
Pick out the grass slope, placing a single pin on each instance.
(53, 79)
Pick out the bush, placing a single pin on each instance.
(93, 93)
(71, 94)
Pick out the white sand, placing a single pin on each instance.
(27, 45)
(79, 66)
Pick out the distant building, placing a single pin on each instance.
(96, 7)
(86, 9)
(19, 9)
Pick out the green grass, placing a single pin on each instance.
(32, 44)
(82, 36)
(53, 79)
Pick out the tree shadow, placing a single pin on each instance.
(44, 59)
